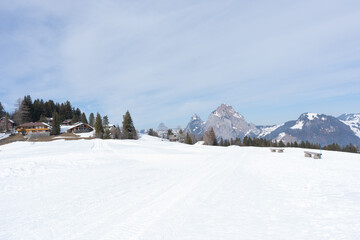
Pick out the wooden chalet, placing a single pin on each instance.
(6, 124)
(80, 128)
(34, 128)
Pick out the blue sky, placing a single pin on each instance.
(166, 60)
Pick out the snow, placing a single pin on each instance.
(217, 114)
(312, 116)
(64, 128)
(237, 115)
(4, 135)
(268, 130)
(149, 189)
(280, 136)
(298, 125)
(353, 121)
(86, 134)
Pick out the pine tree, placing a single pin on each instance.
(188, 139)
(117, 134)
(92, 120)
(152, 133)
(74, 119)
(210, 138)
(107, 133)
(169, 133)
(129, 131)
(55, 130)
(2, 111)
(281, 144)
(99, 129)
(83, 118)
(42, 118)
(105, 121)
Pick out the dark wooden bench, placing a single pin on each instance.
(313, 154)
(279, 150)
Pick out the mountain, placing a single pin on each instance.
(353, 121)
(316, 128)
(227, 123)
(196, 126)
(312, 127)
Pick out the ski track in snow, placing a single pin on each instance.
(148, 189)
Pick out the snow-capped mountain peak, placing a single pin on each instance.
(312, 116)
(195, 126)
(227, 111)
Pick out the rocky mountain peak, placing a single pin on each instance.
(227, 111)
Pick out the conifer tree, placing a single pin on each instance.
(188, 139)
(2, 111)
(152, 133)
(128, 129)
(117, 134)
(105, 121)
(99, 129)
(83, 118)
(210, 137)
(92, 120)
(74, 119)
(107, 133)
(55, 130)
(169, 133)
(42, 118)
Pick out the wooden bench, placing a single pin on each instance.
(279, 150)
(313, 154)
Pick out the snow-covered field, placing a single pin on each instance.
(148, 189)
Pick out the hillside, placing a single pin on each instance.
(149, 189)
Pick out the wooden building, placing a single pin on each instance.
(34, 128)
(80, 128)
(6, 124)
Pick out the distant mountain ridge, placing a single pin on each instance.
(312, 127)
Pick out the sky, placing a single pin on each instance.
(167, 60)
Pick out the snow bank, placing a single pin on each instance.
(149, 189)
(4, 135)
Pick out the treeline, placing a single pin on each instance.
(210, 139)
(28, 110)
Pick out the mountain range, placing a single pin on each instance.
(312, 127)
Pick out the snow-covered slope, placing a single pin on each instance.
(353, 121)
(149, 189)
(318, 128)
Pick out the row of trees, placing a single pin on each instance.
(103, 130)
(210, 138)
(28, 110)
